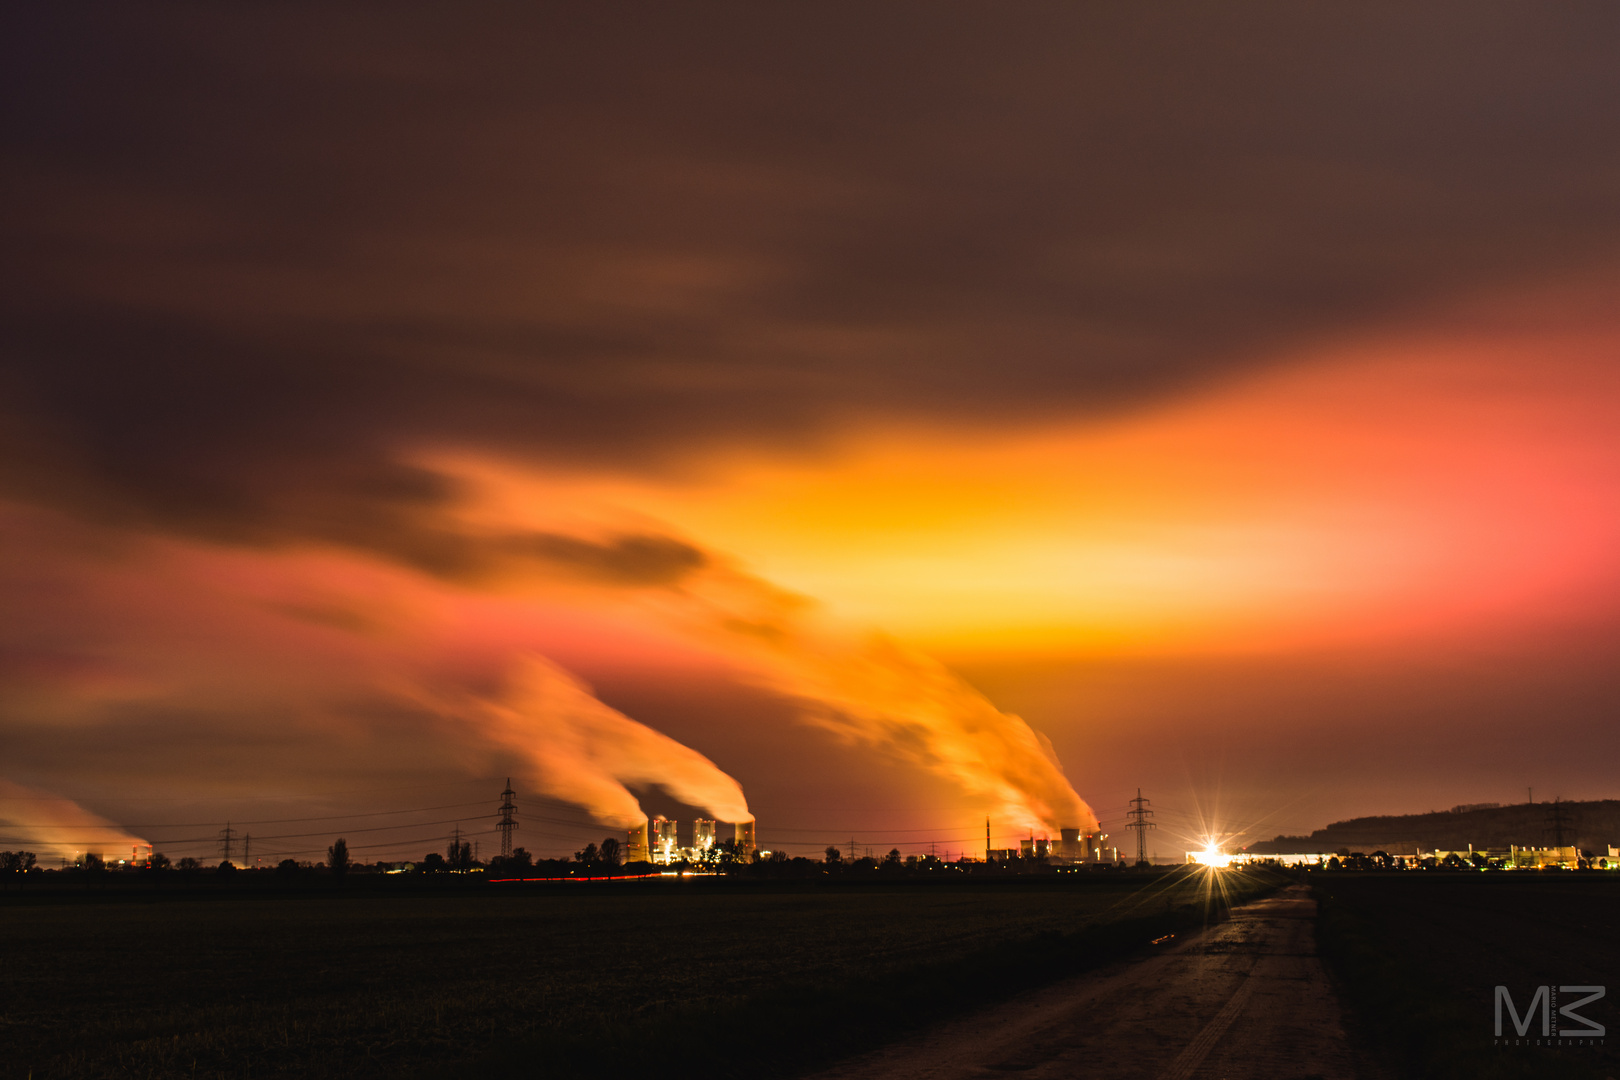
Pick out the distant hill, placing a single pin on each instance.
(1592, 826)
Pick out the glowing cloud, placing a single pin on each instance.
(585, 752)
(56, 828)
(866, 687)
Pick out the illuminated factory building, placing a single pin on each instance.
(1071, 848)
(663, 838)
(702, 834)
(657, 841)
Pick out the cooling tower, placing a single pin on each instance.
(745, 838)
(702, 834)
(636, 849)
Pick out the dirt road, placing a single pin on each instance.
(1244, 1000)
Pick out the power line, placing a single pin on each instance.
(1138, 815)
(1558, 820)
(508, 820)
(261, 821)
(285, 796)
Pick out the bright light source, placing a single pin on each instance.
(1211, 856)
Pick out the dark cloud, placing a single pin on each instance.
(254, 255)
(630, 560)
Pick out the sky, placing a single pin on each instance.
(869, 420)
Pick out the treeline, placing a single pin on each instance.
(1592, 825)
(594, 860)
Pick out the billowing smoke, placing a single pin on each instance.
(869, 689)
(56, 828)
(887, 695)
(877, 691)
(582, 751)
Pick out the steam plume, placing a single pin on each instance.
(56, 828)
(884, 694)
(888, 695)
(583, 751)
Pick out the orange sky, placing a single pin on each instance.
(1250, 438)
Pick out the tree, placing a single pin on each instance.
(834, 856)
(159, 861)
(287, 869)
(225, 869)
(517, 864)
(609, 852)
(588, 856)
(893, 857)
(432, 863)
(94, 862)
(337, 857)
(459, 855)
(190, 865)
(16, 862)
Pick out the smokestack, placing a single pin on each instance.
(636, 849)
(745, 837)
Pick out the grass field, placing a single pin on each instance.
(1419, 956)
(701, 978)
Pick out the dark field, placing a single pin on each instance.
(559, 981)
(1419, 956)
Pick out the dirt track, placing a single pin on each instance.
(1245, 1000)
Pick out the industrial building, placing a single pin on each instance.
(636, 848)
(658, 841)
(1072, 848)
(664, 840)
(702, 834)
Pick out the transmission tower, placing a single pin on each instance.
(227, 835)
(508, 820)
(1137, 818)
(247, 850)
(1558, 821)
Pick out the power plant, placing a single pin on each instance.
(663, 839)
(1072, 848)
(702, 834)
(636, 848)
(658, 841)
